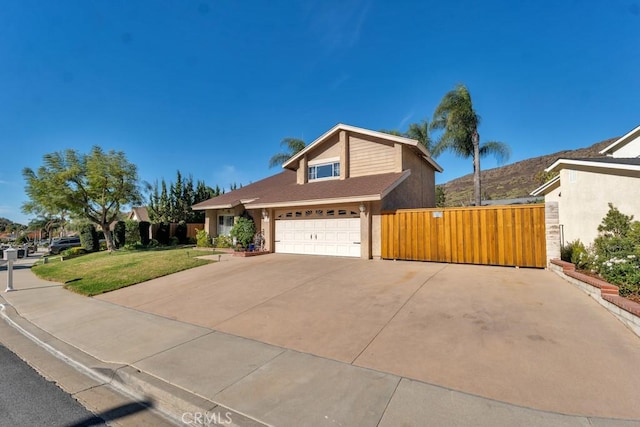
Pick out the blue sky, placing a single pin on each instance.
(211, 87)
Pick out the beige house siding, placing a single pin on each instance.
(369, 157)
(594, 190)
(328, 150)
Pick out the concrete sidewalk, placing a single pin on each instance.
(188, 369)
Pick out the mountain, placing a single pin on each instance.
(514, 180)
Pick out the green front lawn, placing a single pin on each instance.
(102, 272)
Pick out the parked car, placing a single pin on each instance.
(62, 243)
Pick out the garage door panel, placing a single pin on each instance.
(327, 236)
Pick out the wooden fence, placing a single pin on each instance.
(493, 235)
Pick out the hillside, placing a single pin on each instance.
(514, 180)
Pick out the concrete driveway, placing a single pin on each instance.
(521, 336)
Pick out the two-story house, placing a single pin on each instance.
(584, 187)
(329, 197)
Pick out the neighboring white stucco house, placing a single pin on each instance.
(585, 187)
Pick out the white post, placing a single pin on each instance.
(10, 255)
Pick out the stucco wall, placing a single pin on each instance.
(631, 149)
(583, 200)
(418, 189)
(376, 229)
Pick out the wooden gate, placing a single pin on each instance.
(493, 235)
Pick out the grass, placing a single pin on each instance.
(102, 272)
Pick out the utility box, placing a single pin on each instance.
(10, 254)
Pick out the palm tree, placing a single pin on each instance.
(456, 116)
(420, 131)
(294, 146)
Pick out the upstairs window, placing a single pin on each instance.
(324, 171)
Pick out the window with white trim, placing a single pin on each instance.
(324, 171)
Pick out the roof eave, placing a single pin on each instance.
(333, 200)
(561, 163)
(542, 190)
(433, 163)
(621, 141)
(316, 202)
(222, 206)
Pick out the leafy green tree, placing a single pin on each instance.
(459, 121)
(293, 146)
(92, 186)
(441, 196)
(131, 232)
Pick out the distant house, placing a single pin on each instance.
(584, 187)
(329, 198)
(139, 214)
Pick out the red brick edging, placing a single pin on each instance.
(608, 291)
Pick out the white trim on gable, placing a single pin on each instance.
(630, 136)
(546, 187)
(561, 163)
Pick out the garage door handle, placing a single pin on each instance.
(276, 241)
(356, 243)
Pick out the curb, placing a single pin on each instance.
(172, 403)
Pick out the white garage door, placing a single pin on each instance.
(338, 237)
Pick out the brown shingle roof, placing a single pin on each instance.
(282, 189)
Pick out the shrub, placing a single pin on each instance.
(173, 241)
(162, 234)
(89, 238)
(73, 252)
(566, 251)
(222, 242)
(153, 243)
(203, 240)
(580, 257)
(243, 230)
(119, 234)
(22, 239)
(143, 227)
(132, 232)
(617, 251)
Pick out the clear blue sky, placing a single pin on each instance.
(211, 87)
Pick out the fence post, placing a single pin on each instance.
(552, 230)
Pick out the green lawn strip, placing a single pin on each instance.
(102, 272)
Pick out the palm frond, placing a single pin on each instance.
(499, 150)
(278, 159)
